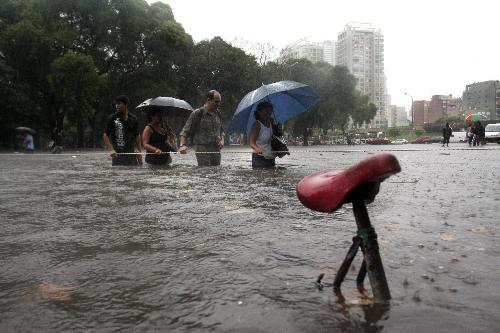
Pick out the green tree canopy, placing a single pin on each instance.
(218, 65)
(63, 61)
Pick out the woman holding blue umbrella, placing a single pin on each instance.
(260, 136)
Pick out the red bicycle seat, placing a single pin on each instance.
(328, 190)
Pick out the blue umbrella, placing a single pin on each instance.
(289, 99)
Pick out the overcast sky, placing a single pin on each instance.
(431, 47)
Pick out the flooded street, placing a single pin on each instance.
(84, 246)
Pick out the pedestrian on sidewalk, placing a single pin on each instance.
(447, 132)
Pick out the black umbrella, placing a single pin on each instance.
(24, 129)
(172, 106)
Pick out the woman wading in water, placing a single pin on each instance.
(260, 137)
(157, 140)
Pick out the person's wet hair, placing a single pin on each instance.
(153, 111)
(123, 99)
(262, 106)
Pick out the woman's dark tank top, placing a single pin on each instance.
(159, 141)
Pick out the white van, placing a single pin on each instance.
(492, 133)
(459, 137)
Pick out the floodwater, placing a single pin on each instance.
(88, 247)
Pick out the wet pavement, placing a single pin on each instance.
(84, 246)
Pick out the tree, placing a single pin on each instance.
(137, 49)
(13, 112)
(393, 132)
(219, 65)
(74, 77)
(339, 100)
(363, 111)
(132, 47)
(263, 52)
(304, 71)
(28, 51)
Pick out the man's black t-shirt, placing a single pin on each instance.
(122, 132)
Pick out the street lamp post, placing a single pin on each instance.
(411, 108)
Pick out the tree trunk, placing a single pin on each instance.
(92, 123)
(80, 134)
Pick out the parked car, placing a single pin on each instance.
(422, 139)
(399, 142)
(437, 139)
(379, 141)
(492, 133)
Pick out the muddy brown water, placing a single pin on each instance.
(84, 246)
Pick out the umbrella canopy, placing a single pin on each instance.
(289, 99)
(474, 117)
(173, 106)
(25, 129)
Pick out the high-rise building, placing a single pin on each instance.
(312, 51)
(328, 51)
(482, 97)
(398, 116)
(360, 47)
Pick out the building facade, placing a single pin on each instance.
(397, 116)
(441, 106)
(312, 51)
(329, 52)
(482, 97)
(360, 47)
(419, 109)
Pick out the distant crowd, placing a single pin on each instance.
(476, 134)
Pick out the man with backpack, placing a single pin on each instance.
(204, 128)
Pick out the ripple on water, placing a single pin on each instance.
(84, 246)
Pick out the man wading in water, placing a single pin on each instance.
(204, 127)
(122, 133)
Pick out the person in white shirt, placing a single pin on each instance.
(260, 136)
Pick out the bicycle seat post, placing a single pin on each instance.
(374, 267)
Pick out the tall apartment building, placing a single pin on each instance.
(328, 51)
(397, 116)
(482, 97)
(312, 51)
(360, 47)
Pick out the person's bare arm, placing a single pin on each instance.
(221, 141)
(254, 133)
(146, 136)
(109, 145)
(185, 133)
(138, 143)
(183, 148)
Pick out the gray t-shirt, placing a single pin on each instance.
(204, 127)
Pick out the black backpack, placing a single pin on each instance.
(278, 142)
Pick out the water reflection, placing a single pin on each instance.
(374, 313)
